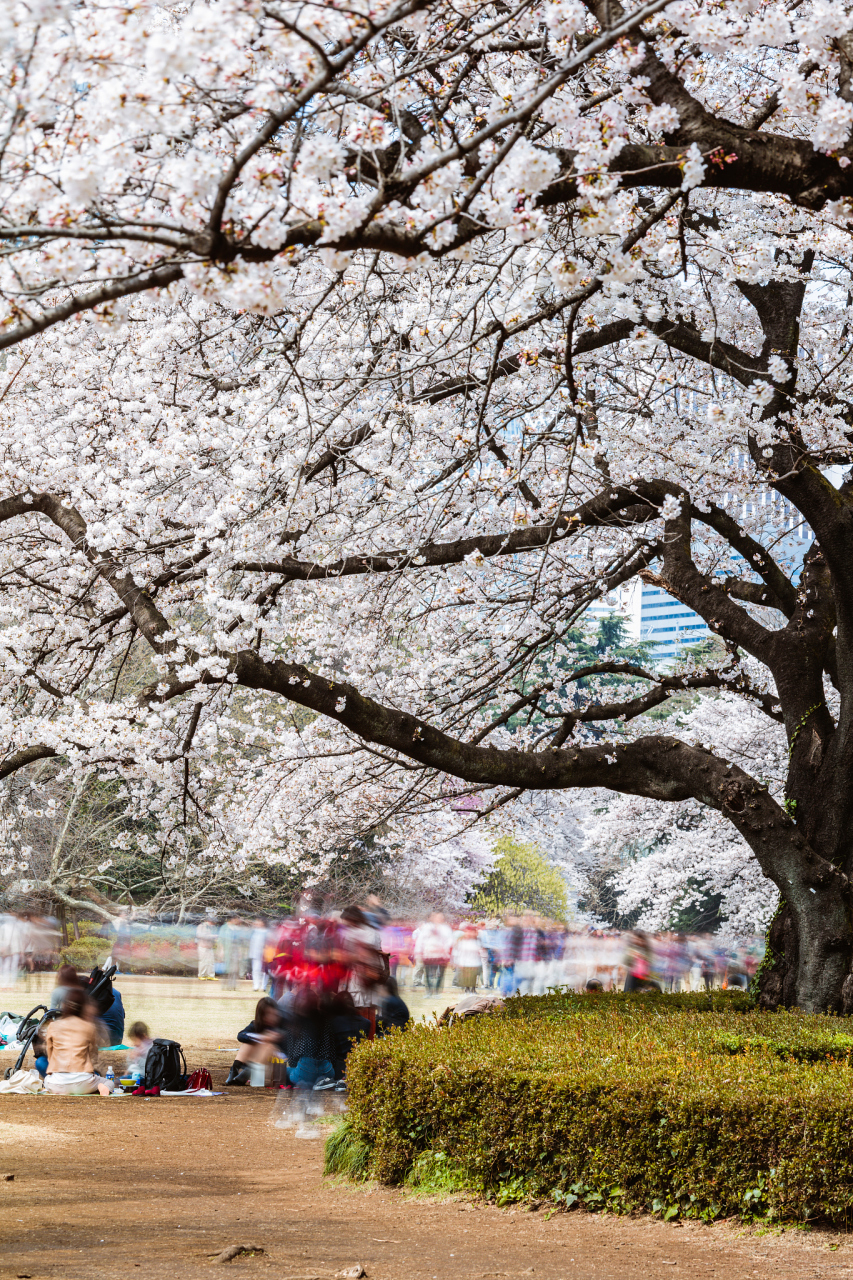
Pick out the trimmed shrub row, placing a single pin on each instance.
(628, 1103)
(560, 1004)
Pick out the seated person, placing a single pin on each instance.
(392, 1011)
(71, 1041)
(113, 1019)
(309, 1042)
(67, 977)
(140, 1042)
(259, 1041)
(347, 1027)
(109, 1007)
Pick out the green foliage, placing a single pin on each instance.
(85, 953)
(89, 949)
(680, 1106)
(804, 1044)
(346, 1153)
(610, 638)
(521, 880)
(570, 1004)
(433, 1174)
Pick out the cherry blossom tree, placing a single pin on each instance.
(658, 863)
(352, 354)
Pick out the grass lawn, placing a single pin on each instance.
(200, 1015)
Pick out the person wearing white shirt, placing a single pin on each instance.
(433, 949)
(11, 937)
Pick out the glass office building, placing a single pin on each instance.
(652, 615)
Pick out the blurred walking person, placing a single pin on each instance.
(205, 939)
(638, 961)
(526, 951)
(10, 949)
(708, 962)
(232, 941)
(124, 938)
(434, 947)
(489, 939)
(468, 957)
(257, 947)
(418, 970)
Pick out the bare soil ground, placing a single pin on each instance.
(149, 1189)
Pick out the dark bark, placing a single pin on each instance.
(777, 978)
(15, 760)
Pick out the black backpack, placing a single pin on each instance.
(166, 1066)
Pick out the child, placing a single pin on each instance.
(140, 1038)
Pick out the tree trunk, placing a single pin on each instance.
(809, 957)
(63, 922)
(777, 977)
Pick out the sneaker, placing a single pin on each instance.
(340, 1086)
(325, 1082)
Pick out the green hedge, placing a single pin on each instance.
(563, 1004)
(85, 953)
(631, 1103)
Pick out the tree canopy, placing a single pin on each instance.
(353, 354)
(521, 880)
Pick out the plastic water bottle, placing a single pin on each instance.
(111, 1079)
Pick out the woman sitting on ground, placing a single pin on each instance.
(309, 1043)
(259, 1041)
(71, 1042)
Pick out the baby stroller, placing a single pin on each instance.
(40, 1015)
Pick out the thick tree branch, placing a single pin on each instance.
(681, 577)
(148, 618)
(110, 291)
(27, 755)
(730, 677)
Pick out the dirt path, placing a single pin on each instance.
(133, 1188)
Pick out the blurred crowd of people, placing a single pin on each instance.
(528, 954)
(355, 948)
(327, 979)
(524, 954)
(330, 984)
